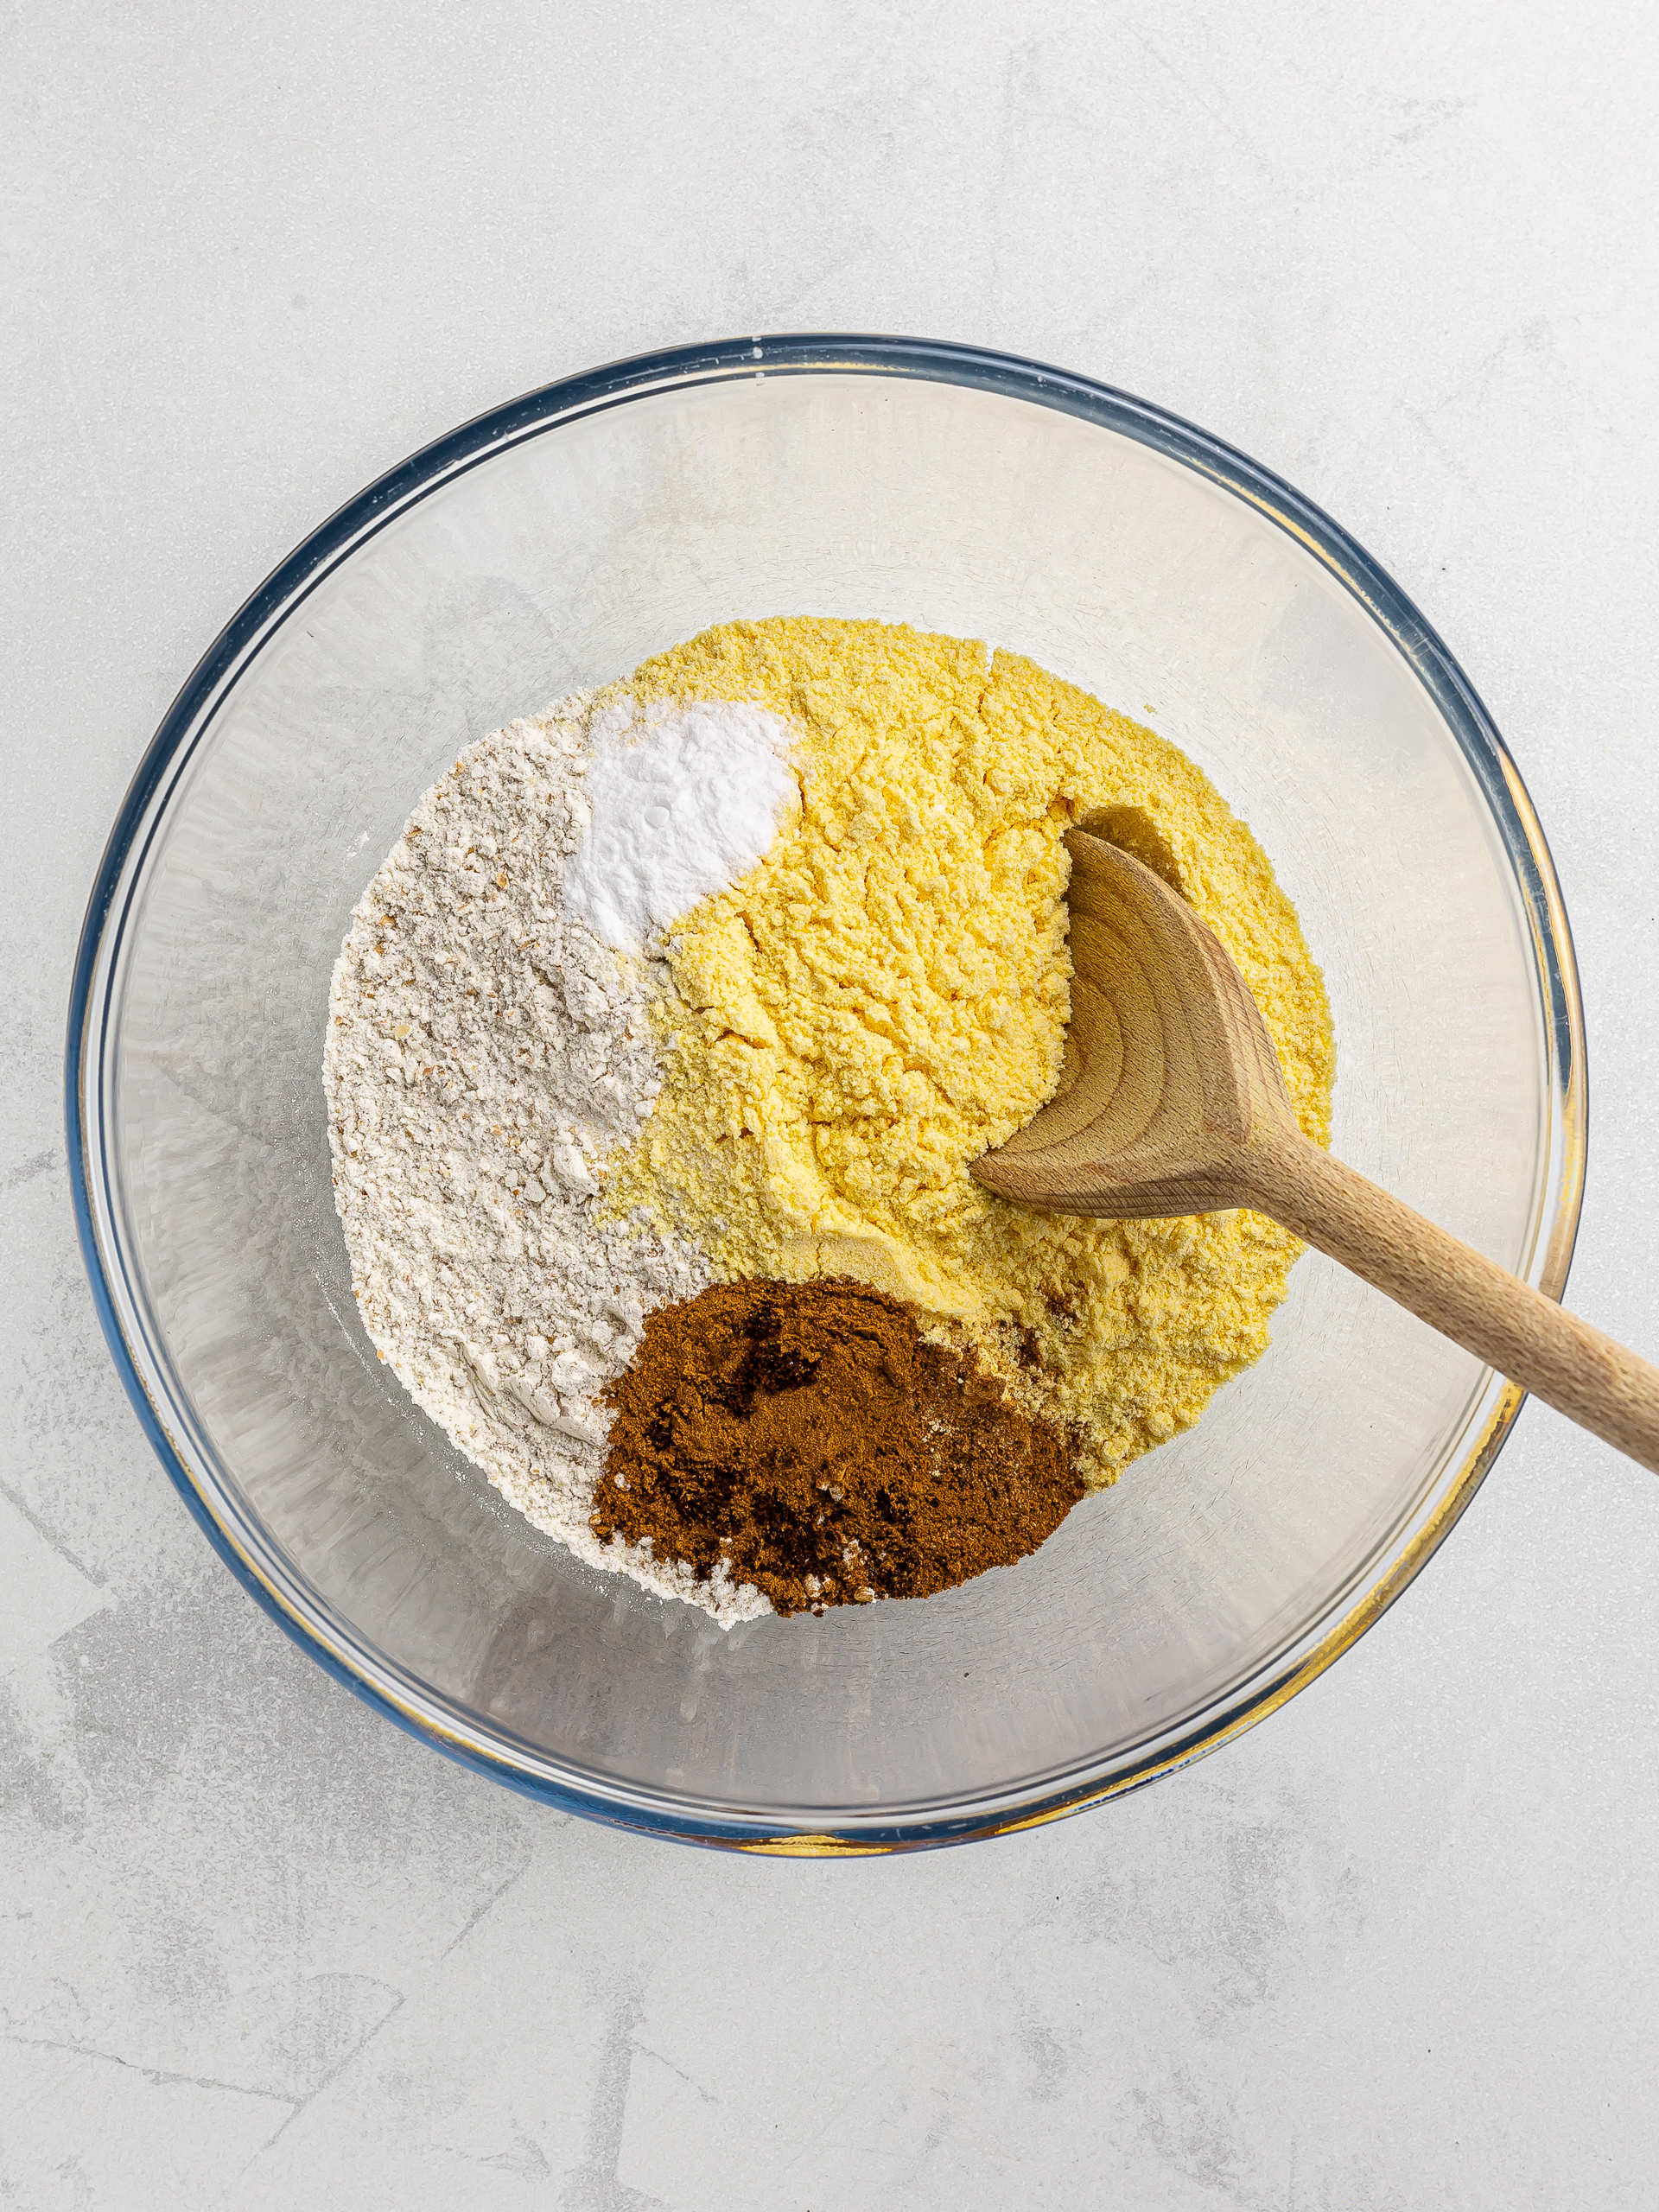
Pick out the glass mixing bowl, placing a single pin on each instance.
(554, 544)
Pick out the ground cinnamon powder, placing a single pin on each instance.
(808, 1436)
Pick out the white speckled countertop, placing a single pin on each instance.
(1397, 1948)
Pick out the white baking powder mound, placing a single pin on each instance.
(683, 800)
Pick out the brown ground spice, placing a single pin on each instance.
(807, 1435)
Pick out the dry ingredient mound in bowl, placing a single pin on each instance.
(807, 1437)
(714, 983)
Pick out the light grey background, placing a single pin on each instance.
(1397, 1946)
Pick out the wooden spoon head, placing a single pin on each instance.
(1169, 1077)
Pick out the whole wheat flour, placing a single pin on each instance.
(485, 1052)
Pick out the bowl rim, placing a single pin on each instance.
(533, 414)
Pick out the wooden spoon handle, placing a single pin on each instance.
(1455, 1289)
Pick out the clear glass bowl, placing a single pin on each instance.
(554, 544)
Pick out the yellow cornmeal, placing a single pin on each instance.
(886, 996)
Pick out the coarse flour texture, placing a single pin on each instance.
(486, 1054)
(762, 948)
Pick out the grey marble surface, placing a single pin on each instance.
(1398, 1946)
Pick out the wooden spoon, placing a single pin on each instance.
(1172, 1101)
